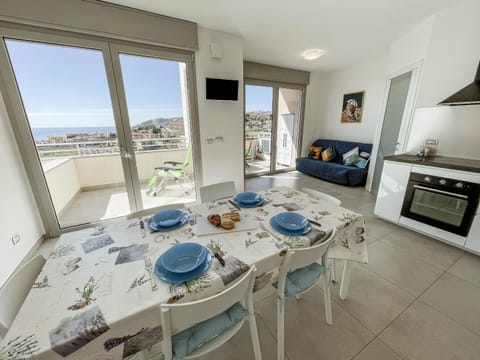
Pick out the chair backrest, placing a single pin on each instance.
(146, 212)
(183, 316)
(297, 258)
(14, 292)
(217, 191)
(187, 156)
(323, 196)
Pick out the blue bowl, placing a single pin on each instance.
(184, 257)
(247, 198)
(176, 278)
(167, 218)
(156, 227)
(291, 221)
(284, 231)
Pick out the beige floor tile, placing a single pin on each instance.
(401, 268)
(377, 350)
(423, 333)
(456, 298)
(239, 347)
(430, 250)
(376, 228)
(307, 334)
(467, 268)
(372, 300)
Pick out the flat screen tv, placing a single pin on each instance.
(222, 89)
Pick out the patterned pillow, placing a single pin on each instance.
(350, 160)
(348, 155)
(362, 163)
(315, 152)
(328, 154)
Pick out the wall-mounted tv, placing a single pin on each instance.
(222, 89)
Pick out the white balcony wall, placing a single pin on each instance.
(62, 179)
(67, 177)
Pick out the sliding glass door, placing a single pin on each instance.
(258, 128)
(273, 122)
(104, 129)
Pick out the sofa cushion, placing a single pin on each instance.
(351, 159)
(315, 152)
(362, 163)
(328, 154)
(342, 147)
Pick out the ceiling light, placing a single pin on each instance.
(312, 54)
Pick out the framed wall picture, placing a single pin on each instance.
(352, 107)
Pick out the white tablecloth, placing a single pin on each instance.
(94, 297)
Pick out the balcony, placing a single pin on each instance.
(86, 180)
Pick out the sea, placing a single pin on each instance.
(42, 133)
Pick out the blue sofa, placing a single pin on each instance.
(334, 170)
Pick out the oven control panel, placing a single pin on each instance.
(439, 181)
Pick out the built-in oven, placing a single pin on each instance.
(444, 203)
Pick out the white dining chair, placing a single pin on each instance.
(147, 212)
(217, 191)
(323, 196)
(300, 272)
(14, 292)
(333, 200)
(197, 328)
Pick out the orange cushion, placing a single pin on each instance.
(315, 152)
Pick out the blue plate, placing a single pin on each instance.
(284, 231)
(248, 198)
(167, 218)
(184, 257)
(291, 221)
(155, 227)
(248, 205)
(175, 278)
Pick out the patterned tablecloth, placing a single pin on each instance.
(94, 297)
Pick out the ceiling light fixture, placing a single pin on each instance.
(312, 54)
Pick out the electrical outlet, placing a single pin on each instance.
(431, 141)
(15, 239)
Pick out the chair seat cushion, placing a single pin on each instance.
(301, 279)
(187, 341)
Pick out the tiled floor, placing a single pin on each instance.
(417, 299)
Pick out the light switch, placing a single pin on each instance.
(210, 141)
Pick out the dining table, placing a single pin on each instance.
(97, 296)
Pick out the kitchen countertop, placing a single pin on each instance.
(438, 161)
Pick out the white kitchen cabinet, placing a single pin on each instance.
(392, 190)
(473, 239)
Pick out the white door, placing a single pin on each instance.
(396, 121)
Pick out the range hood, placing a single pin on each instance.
(469, 95)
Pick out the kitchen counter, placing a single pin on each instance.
(438, 161)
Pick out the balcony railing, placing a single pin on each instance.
(105, 147)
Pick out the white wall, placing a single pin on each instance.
(221, 161)
(453, 53)
(456, 127)
(18, 210)
(316, 93)
(325, 106)
(411, 47)
(451, 57)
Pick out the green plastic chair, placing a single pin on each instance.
(171, 171)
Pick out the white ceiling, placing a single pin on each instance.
(276, 32)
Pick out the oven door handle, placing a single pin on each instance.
(441, 191)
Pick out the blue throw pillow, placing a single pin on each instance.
(362, 163)
(187, 341)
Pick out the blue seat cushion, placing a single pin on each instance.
(301, 279)
(187, 341)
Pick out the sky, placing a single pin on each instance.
(67, 87)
